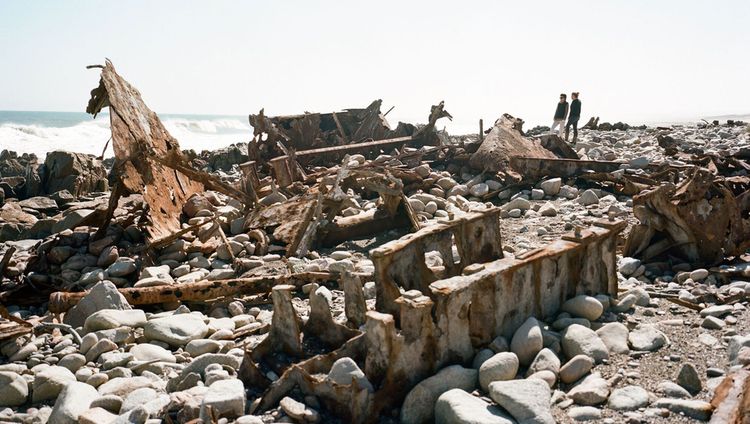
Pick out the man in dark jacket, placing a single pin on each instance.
(560, 114)
(575, 115)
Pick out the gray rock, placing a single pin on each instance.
(121, 267)
(71, 219)
(226, 398)
(528, 401)
(151, 352)
(628, 398)
(628, 265)
(419, 405)
(517, 203)
(592, 390)
(481, 357)
(583, 306)
(717, 311)
(49, 382)
(545, 360)
(699, 274)
(199, 364)
(639, 162)
(103, 295)
(527, 341)
(499, 344)
(713, 323)
(176, 330)
(585, 413)
(548, 209)
(72, 361)
(75, 398)
(588, 197)
(552, 186)
(345, 371)
(624, 304)
(200, 346)
(688, 378)
(672, 390)
(111, 403)
(121, 386)
(575, 368)
(579, 340)
(106, 319)
(102, 346)
(698, 409)
(458, 407)
(298, 411)
(14, 390)
(502, 366)
(642, 297)
(96, 416)
(646, 337)
(137, 398)
(614, 335)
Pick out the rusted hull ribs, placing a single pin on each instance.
(401, 263)
(532, 168)
(451, 318)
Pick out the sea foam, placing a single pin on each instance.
(91, 136)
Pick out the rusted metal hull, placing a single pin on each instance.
(448, 321)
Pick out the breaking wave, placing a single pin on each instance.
(91, 135)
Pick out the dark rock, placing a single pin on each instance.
(71, 220)
(78, 173)
(39, 203)
(62, 197)
(223, 159)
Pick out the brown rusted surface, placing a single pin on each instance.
(446, 325)
(137, 136)
(148, 160)
(195, 292)
(289, 336)
(505, 141)
(323, 138)
(287, 221)
(699, 221)
(558, 146)
(539, 167)
(731, 399)
(401, 262)
(12, 327)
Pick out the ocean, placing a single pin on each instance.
(42, 132)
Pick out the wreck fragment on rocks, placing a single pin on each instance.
(700, 221)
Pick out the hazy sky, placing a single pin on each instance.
(633, 60)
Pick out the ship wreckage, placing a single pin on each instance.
(445, 284)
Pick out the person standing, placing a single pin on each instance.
(575, 115)
(560, 114)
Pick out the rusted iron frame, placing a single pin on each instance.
(531, 167)
(412, 247)
(427, 326)
(198, 291)
(209, 181)
(731, 400)
(349, 148)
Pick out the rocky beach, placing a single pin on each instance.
(357, 274)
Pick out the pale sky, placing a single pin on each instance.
(633, 60)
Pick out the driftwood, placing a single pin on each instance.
(198, 291)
